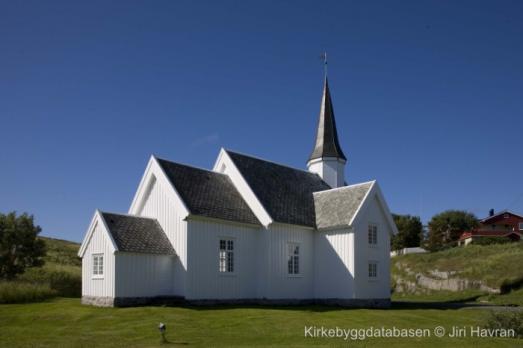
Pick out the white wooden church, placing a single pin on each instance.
(247, 231)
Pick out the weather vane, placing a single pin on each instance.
(324, 58)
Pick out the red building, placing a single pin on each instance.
(504, 224)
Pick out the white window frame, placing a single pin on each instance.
(226, 257)
(372, 235)
(293, 259)
(373, 273)
(97, 266)
(520, 225)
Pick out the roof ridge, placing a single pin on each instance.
(127, 215)
(269, 161)
(190, 166)
(346, 187)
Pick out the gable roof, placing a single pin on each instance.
(327, 143)
(137, 234)
(338, 207)
(285, 192)
(207, 193)
(497, 215)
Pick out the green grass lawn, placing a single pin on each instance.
(64, 322)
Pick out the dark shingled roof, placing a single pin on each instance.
(208, 193)
(327, 144)
(337, 207)
(286, 193)
(137, 234)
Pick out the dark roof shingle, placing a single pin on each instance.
(337, 207)
(286, 193)
(137, 234)
(208, 193)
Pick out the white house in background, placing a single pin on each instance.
(249, 230)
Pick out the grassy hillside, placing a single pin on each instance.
(497, 266)
(60, 276)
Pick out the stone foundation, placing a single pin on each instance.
(98, 301)
(175, 300)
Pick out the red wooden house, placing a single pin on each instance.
(504, 224)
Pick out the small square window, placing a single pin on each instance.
(521, 226)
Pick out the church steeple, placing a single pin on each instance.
(327, 144)
(327, 159)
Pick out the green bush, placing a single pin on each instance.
(19, 291)
(506, 320)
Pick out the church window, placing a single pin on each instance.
(293, 258)
(373, 234)
(226, 260)
(98, 265)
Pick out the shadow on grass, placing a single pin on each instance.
(167, 342)
(305, 308)
(436, 305)
(410, 304)
(395, 305)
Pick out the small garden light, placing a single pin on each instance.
(162, 329)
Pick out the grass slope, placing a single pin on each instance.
(497, 265)
(60, 276)
(64, 322)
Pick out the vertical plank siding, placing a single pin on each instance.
(204, 280)
(334, 264)
(144, 275)
(281, 285)
(99, 244)
(260, 261)
(159, 205)
(365, 287)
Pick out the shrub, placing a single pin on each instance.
(491, 240)
(506, 320)
(510, 284)
(66, 284)
(19, 292)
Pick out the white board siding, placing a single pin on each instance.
(158, 204)
(144, 275)
(281, 285)
(364, 253)
(334, 264)
(98, 244)
(203, 279)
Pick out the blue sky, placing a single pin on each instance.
(427, 96)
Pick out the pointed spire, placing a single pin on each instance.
(327, 144)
